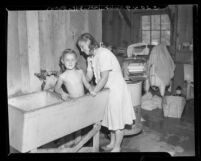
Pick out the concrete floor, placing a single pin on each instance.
(160, 134)
(172, 135)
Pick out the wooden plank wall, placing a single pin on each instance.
(13, 55)
(116, 30)
(184, 34)
(119, 34)
(36, 40)
(33, 49)
(23, 50)
(185, 21)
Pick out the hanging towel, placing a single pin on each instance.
(161, 67)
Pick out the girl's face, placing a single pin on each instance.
(70, 61)
(84, 46)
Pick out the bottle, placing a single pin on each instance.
(178, 91)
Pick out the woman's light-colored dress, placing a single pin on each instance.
(119, 111)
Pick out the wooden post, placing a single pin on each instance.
(96, 141)
(95, 129)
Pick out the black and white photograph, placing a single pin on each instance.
(102, 80)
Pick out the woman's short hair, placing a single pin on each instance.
(87, 36)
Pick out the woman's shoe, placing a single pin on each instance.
(106, 148)
(135, 130)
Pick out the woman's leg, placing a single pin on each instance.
(137, 127)
(119, 134)
(112, 140)
(137, 110)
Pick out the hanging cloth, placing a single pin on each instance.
(160, 66)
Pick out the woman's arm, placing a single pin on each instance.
(89, 74)
(102, 82)
(85, 82)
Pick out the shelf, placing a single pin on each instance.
(184, 57)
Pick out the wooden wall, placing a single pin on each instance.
(184, 34)
(184, 25)
(117, 32)
(36, 39)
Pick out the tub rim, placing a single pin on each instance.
(54, 104)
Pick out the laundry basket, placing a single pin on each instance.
(174, 106)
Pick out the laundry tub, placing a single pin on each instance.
(38, 118)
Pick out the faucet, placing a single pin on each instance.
(43, 75)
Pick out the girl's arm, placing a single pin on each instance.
(85, 82)
(59, 90)
(102, 82)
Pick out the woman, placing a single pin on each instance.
(107, 71)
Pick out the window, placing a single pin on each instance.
(155, 29)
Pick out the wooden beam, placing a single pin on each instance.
(88, 136)
(86, 150)
(96, 138)
(150, 11)
(125, 17)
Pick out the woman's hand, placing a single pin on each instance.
(64, 96)
(90, 89)
(93, 93)
(89, 60)
(102, 82)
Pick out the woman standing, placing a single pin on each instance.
(103, 64)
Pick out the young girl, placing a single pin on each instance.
(72, 78)
(74, 81)
(107, 71)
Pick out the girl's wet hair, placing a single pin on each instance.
(65, 52)
(87, 36)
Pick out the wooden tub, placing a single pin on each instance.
(38, 118)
